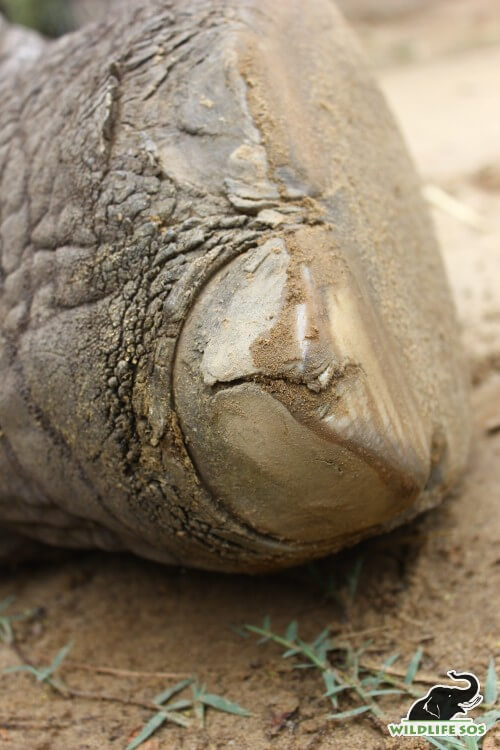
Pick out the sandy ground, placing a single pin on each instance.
(434, 583)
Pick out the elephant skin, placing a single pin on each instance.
(226, 336)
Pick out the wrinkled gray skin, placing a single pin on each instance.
(94, 290)
(118, 203)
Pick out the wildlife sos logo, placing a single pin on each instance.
(442, 711)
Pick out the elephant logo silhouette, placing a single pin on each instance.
(444, 702)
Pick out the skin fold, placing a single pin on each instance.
(161, 173)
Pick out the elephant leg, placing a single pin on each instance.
(16, 549)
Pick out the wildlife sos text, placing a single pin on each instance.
(453, 728)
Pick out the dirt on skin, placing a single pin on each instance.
(434, 583)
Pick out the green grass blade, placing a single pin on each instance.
(198, 706)
(441, 745)
(292, 631)
(23, 668)
(451, 742)
(290, 652)
(150, 728)
(178, 718)
(335, 690)
(311, 653)
(266, 626)
(490, 688)
(436, 743)
(222, 704)
(43, 674)
(318, 641)
(391, 659)
(352, 712)
(199, 712)
(58, 659)
(329, 680)
(196, 691)
(490, 718)
(171, 691)
(355, 665)
(268, 636)
(413, 666)
(331, 687)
